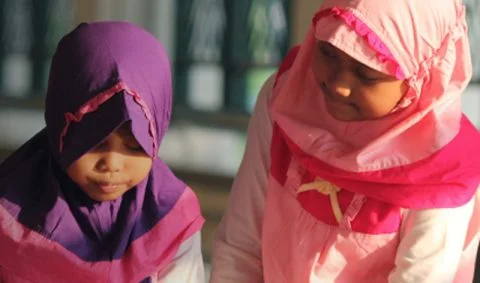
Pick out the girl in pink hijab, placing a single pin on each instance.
(360, 166)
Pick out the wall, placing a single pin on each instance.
(187, 146)
(303, 10)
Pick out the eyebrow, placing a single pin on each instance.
(126, 131)
(328, 46)
(380, 75)
(364, 68)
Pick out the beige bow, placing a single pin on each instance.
(325, 188)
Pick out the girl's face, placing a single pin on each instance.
(113, 167)
(353, 91)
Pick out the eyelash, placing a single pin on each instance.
(365, 78)
(326, 52)
(100, 145)
(136, 148)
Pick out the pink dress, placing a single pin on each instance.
(267, 235)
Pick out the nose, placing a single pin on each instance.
(110, 162)
(340, 84)
(341, 91)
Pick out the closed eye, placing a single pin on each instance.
(367, 78)
(134, 147)
(100, 146)
(368, 75)
(327, 52)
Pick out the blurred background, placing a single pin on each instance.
(221, 53)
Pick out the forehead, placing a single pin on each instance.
(346, 59)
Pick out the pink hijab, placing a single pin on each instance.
(422, 154)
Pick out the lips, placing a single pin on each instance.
(108, 187)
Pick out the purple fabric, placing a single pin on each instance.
(33, 185)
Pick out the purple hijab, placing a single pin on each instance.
(102, 75)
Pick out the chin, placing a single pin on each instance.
(344, 117)
(106, 197)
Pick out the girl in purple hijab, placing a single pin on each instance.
(87, 199)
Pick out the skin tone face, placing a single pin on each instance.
(113, 167)
(353, 91)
